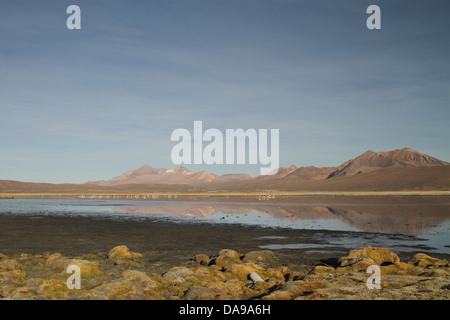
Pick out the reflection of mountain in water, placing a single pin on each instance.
(403, 219)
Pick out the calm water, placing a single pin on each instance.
(398, 227)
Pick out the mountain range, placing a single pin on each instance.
(397, 170)
(380, 167)
(178, 175)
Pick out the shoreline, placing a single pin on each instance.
(263, 197)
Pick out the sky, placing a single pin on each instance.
(90, 104)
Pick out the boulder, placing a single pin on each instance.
(118, 290)
(361, 259)
(122, 253)
(323, 269)
(276, 273)
(24, 293)
(202, 259)
(177, 274)
(10, 265)
(52, 260)
(132, 285)
(138, 276)
(291, 290)
(422, 260)
(204, 293)
(263, 257)
(231, 287)
(88, 268)
(399, 268)
(53, 288)
(10, 280)
(227, 257)
(243, 271)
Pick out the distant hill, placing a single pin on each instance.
(178, 175)
(397, 170)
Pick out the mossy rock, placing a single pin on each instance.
(122, 253)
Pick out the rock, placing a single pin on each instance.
(202, 259)
(204, 293)
(227, 257)
(24, 293)
(122, 253)
(422, 260)
(232, 287)
(294, 289)
(255, 277)
(263, 257)
(88, 268)
(323, 269)
(27, 292)
(262, 288)
(294, 276)
(94, 282)
(276, 273)
(133, 284)
(118, 290)
(9, 265)
(300, 287)
(10, 280)
(363, 258)
(177, 274)
(400, 268)
(242, 271)
(279, 295)
(55, 261)
(12, 276)
(53, 289)
(141, 277)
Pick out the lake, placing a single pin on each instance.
(181, 228)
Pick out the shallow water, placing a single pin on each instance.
(314, 227)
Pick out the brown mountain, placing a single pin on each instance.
(311, 173)
(370, 161)
(400, 169)
(178, 175)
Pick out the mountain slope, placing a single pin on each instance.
(370, 161)
(178, 175)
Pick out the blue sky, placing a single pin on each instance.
(90, 104)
